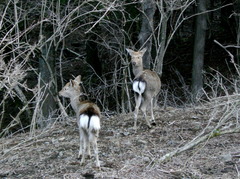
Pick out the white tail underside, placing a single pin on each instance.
(139, 87)
(94, 122)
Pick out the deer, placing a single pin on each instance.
(88, 118)
(146, 86)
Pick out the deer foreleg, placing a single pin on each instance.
(138, 100)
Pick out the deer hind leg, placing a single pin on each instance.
(93, 139)
(88, 150)
(152, 115)
(138, 100)
(81, 137)
(85, 143)
(144, 107)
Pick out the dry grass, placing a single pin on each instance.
(124, 153)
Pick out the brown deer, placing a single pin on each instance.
(88, 118)
(146, 86)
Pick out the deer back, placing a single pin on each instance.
(89, 108)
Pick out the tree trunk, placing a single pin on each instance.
(92, 54)
(47, 83)
(145, 36)
(237, 19)
(198, 52)
(162, 39)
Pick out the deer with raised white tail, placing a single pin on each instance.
(146, 86)
(88, 118)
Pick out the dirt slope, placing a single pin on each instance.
(124, 153)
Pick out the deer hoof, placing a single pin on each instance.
(154, 123)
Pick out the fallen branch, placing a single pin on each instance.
(224, 126)
(197, 141)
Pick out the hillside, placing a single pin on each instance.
(52, 153)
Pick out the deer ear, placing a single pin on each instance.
(71, 82)
(129, 51)
(143, 50)
(78, 79)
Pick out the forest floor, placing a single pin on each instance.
(52, 153)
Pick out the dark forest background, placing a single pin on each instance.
(192, 44)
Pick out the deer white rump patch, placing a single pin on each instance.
(93, 124)
(139, 86)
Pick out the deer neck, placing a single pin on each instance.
(137, 70)
(75, 103)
